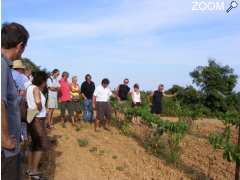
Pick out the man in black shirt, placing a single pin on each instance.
(87, 90)
(123, 90)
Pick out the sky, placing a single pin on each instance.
(148, 41)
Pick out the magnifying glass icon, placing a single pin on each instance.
(233, 4)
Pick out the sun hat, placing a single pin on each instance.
(17, 64)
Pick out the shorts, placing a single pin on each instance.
(37, 131)
(76, 106)
(138, 104)
(52, 103)
(103, 110)
(66, 106)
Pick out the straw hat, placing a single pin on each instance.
(17, 64)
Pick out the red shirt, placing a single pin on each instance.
(64, 91)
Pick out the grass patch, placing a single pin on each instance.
(93, 149)
(101, 152)
(120, 168)
(82, 142)
(63, 125)
(77, 128)
(114, 157)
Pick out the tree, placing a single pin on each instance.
(35, 69)
(31, 64)
(175, 89)
(216, 82)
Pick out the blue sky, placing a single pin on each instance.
(148, 41)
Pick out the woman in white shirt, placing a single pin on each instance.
(136, 101)
(136, 96)
(36, 101)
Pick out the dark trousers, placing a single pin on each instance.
(11, 168)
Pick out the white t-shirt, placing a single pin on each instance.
(32, 104)
(102, 94)
(53, 83)
(136, 96)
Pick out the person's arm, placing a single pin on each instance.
(151, 94)
(37, 98)
(7, 141)
(94, 102)
(49, 85)
(168, 95)
(94, 98)
(82, 91)
(132, 95)
(117, 91)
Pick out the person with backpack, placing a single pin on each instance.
(53, 88)
(87, 90)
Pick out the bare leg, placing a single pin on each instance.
(50, 114)
(36, 157)
(63, 120)
(78, 116)
(30, 157)
(96, 124)
(106, 124)
(73, 120)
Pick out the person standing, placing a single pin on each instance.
(157, 100)
(20, 80)
(65, 98)
(101, 97)
(14, 39)
(87, 90)
(136, 96)
(53, 88)
(19, 77)
(36, 126)
(123, 90)
(75, 98)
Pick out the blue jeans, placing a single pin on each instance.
(87, 110)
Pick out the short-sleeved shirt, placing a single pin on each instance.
(102, 94)
(52, 83)
(9, 97)
(123, 92)
(88, 89)
(20, 79)
(64, 91)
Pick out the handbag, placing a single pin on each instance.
(31, 114)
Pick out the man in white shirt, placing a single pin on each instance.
(53, 87)
(101, 97)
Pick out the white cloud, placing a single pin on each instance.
(133, 17)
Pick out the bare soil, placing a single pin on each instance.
(113, 156)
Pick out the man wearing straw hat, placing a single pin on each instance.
(18, 75)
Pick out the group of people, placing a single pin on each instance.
(25, 108)
(72, 97)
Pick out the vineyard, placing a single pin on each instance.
(170, 149)
(196, 137)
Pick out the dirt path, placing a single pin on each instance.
(108, 156)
